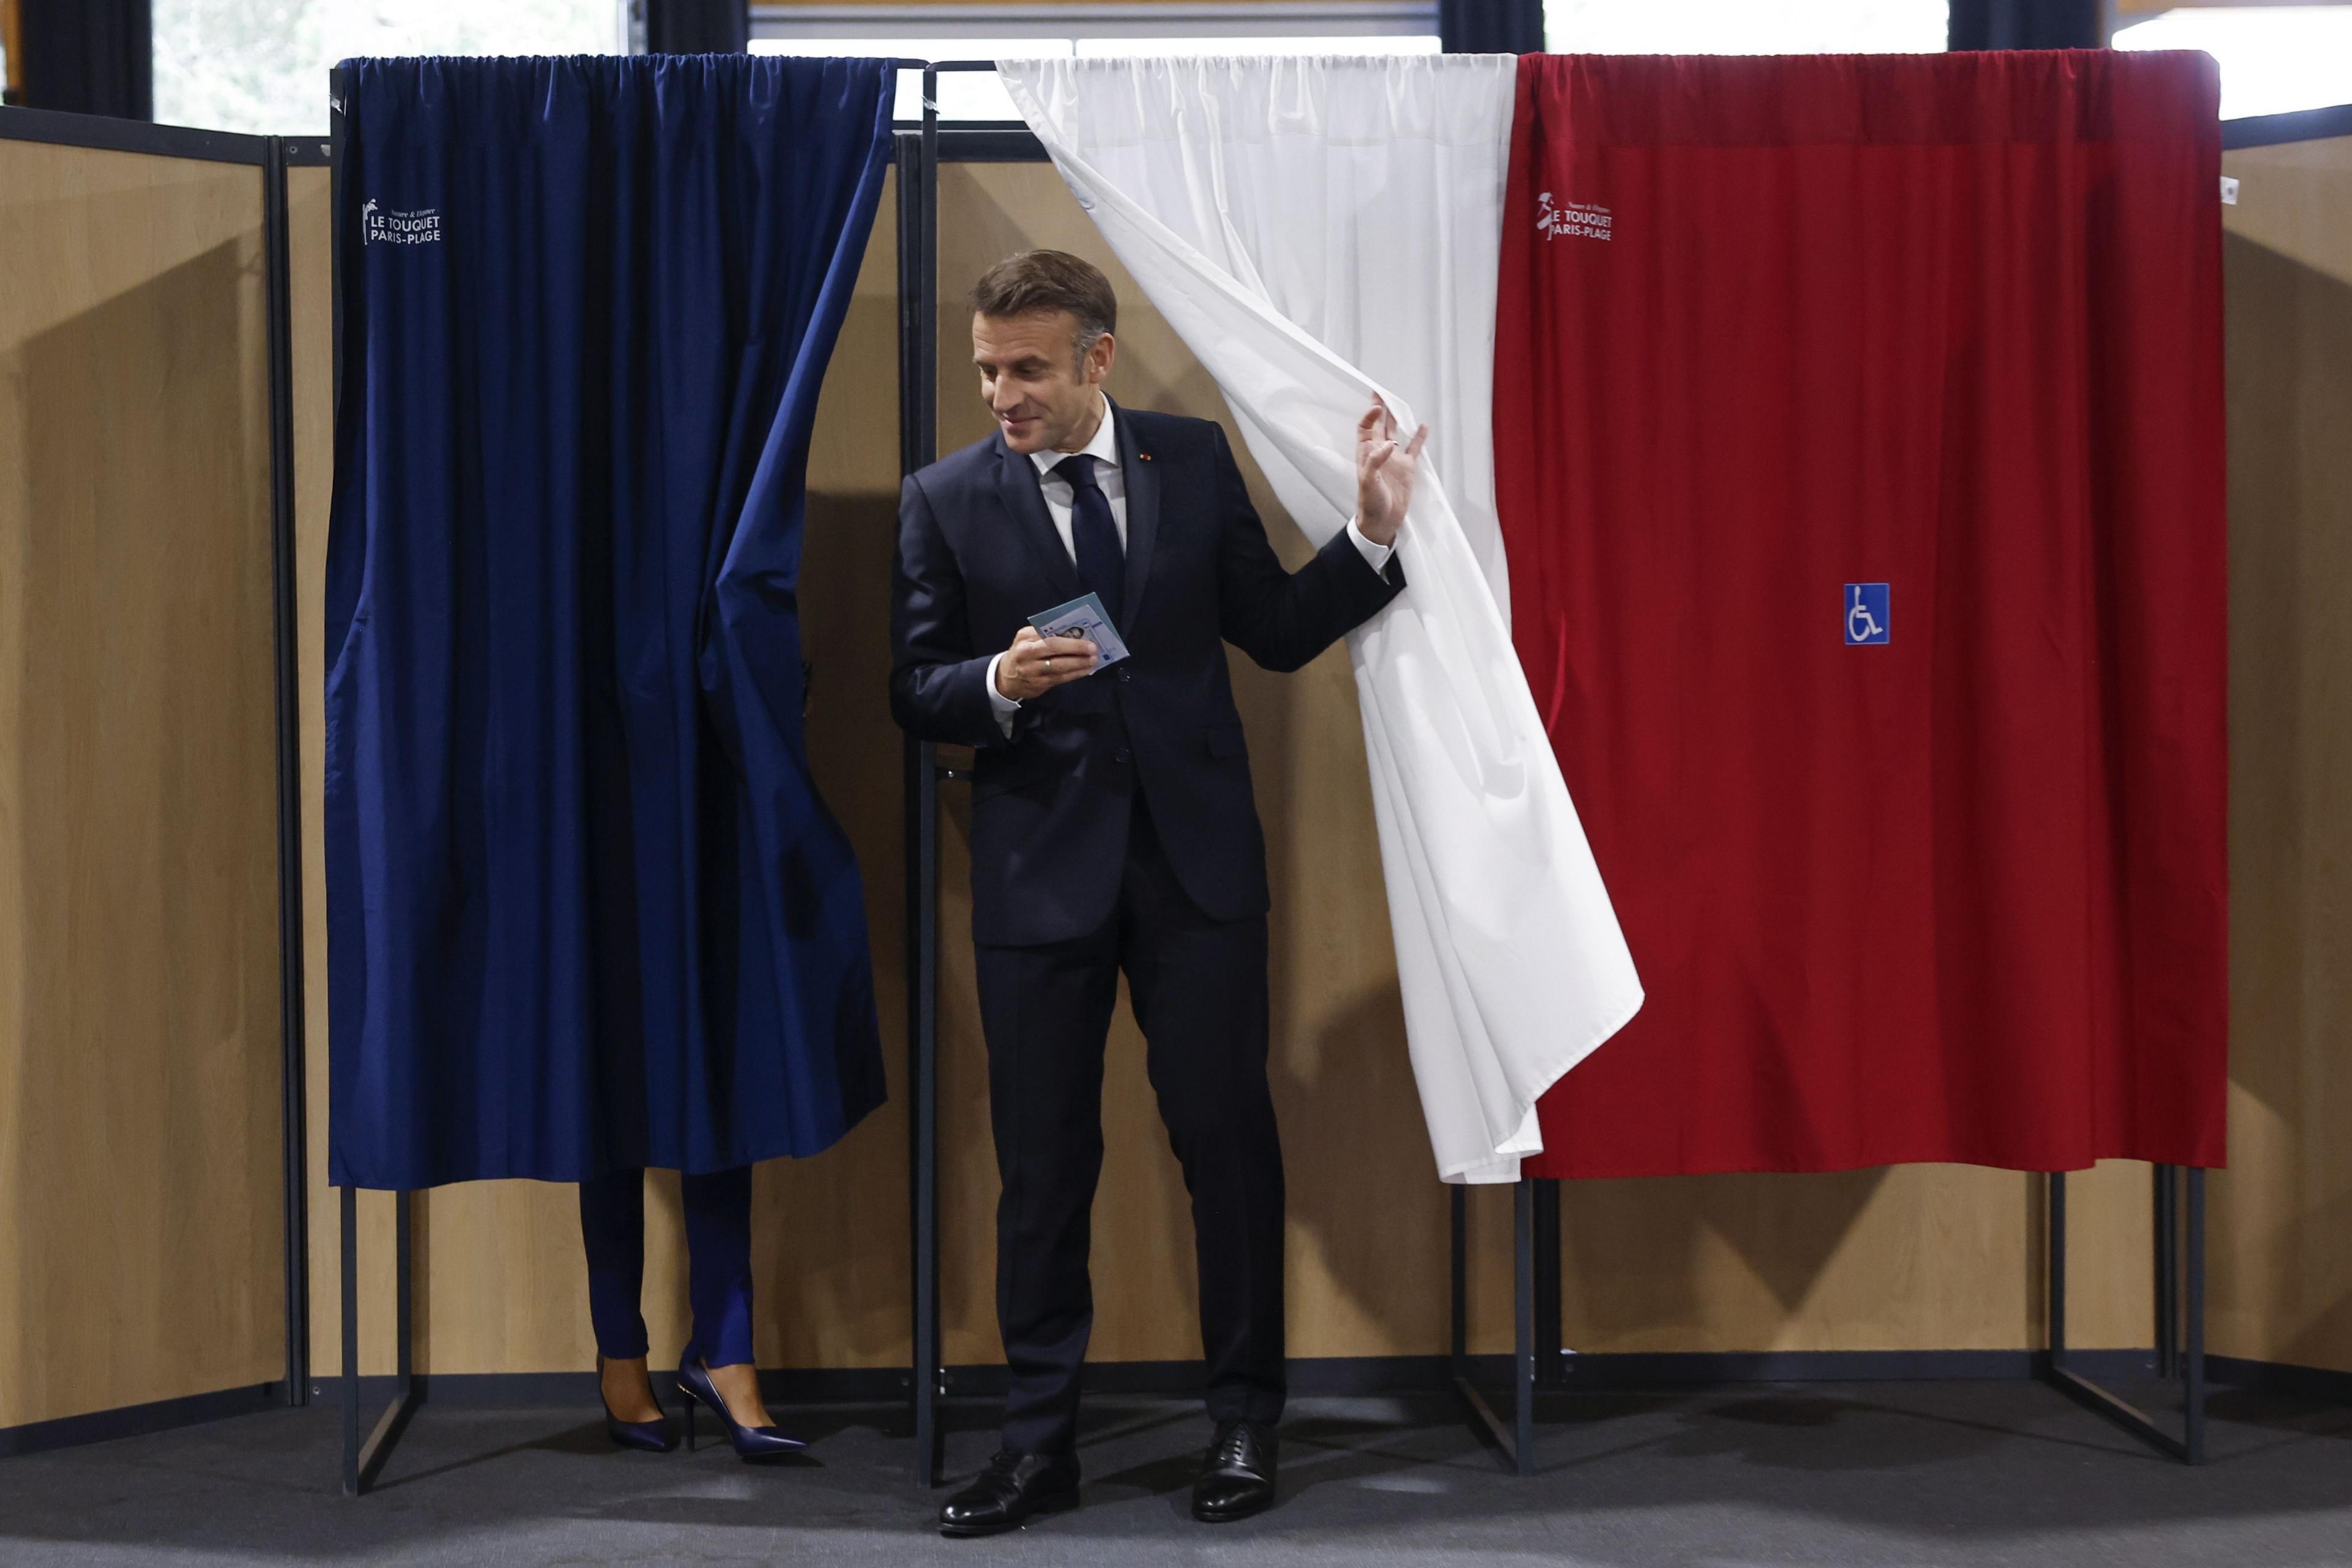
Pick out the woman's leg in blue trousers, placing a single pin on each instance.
(718, 1249)
(613, 1228)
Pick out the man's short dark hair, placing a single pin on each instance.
(1034, 282)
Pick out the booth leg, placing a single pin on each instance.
(924, 1371)
(1515, 1441)
(2193, 1390)
(351, 1297)
(1459, 1202)
(2168, 1271)
(363, 1461)
(2190, 1445)
(1551, 1363)
(1523, 1316)
(2056, 1215)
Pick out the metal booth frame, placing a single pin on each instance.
(1539, 1363)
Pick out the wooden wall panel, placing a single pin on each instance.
(2281, 1221)
(832, 1249)
(140, 1218)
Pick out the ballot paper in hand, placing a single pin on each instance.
(1083, 617)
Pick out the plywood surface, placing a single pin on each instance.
(140, 1217)
(2281, 1222)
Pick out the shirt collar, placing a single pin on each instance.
(1103, 448)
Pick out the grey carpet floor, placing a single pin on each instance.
(1946, 1473)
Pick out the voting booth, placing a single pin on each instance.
(165, 459)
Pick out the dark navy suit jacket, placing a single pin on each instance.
(978, 555)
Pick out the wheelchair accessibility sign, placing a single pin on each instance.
(1869, 621)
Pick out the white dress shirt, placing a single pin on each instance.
(1061, 502)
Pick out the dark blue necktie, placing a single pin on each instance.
(1102, 564)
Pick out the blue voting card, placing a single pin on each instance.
(1083, 617)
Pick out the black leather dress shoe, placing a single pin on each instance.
(1237, 1478)
(1014, 1488)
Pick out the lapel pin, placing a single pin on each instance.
(1145, 456)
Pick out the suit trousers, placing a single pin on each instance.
(1199, 989)
(718, 1207)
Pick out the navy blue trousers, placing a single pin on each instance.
(1198, 988)
(718, 1263)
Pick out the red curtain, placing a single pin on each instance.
(1925, 350)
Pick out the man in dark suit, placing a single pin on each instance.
(1113, 828)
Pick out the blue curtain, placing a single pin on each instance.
(586, 908)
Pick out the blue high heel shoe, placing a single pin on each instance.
(751, 1443)
(655, 1437)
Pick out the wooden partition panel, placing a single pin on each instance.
(2283, 1212)
(140, 1218)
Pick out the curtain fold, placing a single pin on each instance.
(1861, 465)
(1322, 232)
(586, 911)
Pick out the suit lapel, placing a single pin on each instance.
(1140, 473)
(1024, 503)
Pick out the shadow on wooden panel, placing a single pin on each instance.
(830, 1234)
(2283, 1212)
(144, 1189)
(1652, 1252)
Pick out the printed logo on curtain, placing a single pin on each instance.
(382, 225)
(1580, 219)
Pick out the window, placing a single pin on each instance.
(1745, 27)
(1076, 27)
(261, 66)
(2274, 58)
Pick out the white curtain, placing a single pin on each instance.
(1323, 231)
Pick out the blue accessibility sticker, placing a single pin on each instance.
(1869, 621)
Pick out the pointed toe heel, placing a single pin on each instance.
(752, 1444)
(654, 1437)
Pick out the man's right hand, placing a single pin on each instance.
(1034, 665)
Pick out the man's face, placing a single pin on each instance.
(1043, 394)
